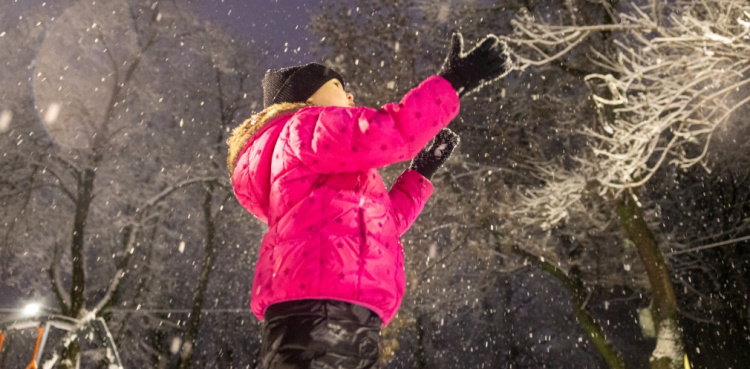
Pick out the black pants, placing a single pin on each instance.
(320, 334)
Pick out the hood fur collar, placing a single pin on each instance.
(245, 131)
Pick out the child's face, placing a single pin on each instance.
(331, 94)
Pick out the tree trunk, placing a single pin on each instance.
(78, 243)
(85, 194)
(669, 350)
(577, 297)
(70, 355)
(199, 298)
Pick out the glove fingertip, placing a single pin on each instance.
(457, 43)
(488, 43)
(447, 136)
(500, 47)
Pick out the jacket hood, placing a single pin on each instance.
(243, 133)
(259, 135)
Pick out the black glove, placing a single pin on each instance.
(484, 63)
(428, 161)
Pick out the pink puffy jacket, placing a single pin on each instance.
(333, 228)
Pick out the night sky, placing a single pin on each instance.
(278, 28)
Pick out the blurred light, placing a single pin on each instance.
(5, 117)
(33, 308)
(53, 111)
(175, 346)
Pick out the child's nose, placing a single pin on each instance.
(349, 97)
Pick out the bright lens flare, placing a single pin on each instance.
(32, 309)
(5, 117)
(53, 111)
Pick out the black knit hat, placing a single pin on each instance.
(295, 84)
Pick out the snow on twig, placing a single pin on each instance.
(709, 246)
(672, 80)
(144, 212)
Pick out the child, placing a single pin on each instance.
(330, 271)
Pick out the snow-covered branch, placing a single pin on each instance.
(56, 282)
(143, 214)
(664, 92)
(551, 203)
(535, 43)
(170, 189)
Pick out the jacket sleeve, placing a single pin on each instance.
(341, 139)
(408, 196)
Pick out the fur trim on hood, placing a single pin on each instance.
(245, 131)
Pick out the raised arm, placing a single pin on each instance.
(408, 196)
(413, 188)
(339, 139)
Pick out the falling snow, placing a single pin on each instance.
(608, 152)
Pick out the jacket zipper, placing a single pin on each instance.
(363, 232)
